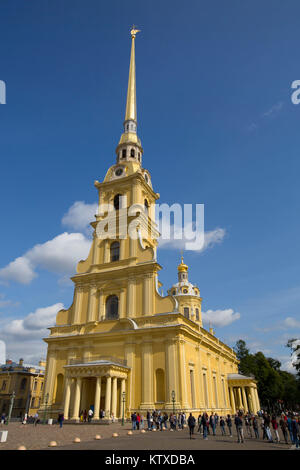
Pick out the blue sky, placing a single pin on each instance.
(218, 127)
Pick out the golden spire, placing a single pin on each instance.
(182, 267)
(130, 114)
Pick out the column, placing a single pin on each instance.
(106, 251)
(131, 297)
(92, 303)
(130, 358)
(97, 398)
(95, 249)
(114, 397)
(122, 307)
(183, 375)
(172, 373)
(147, 295)
(107, 397)
(147, 375)
(123, 389)
(240, 397)
(233, 406)
(67, 398)
(77, 304)
(77, 399)
(256, 399)
(122, 247)
(101, 306)
(50, 376)
(245, 400)
(132, 247)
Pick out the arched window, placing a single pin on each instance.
(146, 205)
(124, 153)
(112, 307)
(197, 314)
(186, 312)
(139, 157)
(23, 384)
(117, 201)
(132, 153)
(160, 385)
(115, 251)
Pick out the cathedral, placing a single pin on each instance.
(122, 346)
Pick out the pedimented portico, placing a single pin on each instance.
(95, 385)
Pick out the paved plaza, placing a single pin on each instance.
(38, 438)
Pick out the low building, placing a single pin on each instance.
(26, 381)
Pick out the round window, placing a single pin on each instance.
(185, 291)
(119, 171)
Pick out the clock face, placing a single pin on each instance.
(119, 171)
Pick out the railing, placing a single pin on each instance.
(116, 360)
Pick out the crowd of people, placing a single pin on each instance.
(247, 425)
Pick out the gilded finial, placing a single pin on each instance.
(134, 31)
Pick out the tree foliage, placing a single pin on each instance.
(274, 386)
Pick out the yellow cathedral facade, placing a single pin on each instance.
(122, 346)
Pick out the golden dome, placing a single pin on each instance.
(182, 267)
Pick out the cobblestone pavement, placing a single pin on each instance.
(39, 437)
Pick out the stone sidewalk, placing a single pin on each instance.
(38, 438)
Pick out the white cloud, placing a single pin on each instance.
(220, 317)
(211, 238)
(274, 109)
(80, 215)
(23, 337)
(59, 255)
(291, 322)
(20, 270)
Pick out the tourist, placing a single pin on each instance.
(295, 432)
(3, 418)
(248, 425)
(182, 420)
(148, 416)
(191, 424)
(267, 422)
(204, 422)
(138, 420)
(142, 422)
(133, 420)
(199, 423)
(284, 428)
(239, 428)
(90, 415)
(222, 425)
(165, 420)
(275, 427)
(36, 419)
(229, 425)
(255, 427)
(60, 419)
(212, 422)
(289, 425)
(84, 416)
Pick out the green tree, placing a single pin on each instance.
(274, 385)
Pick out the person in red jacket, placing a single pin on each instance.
(275, 427)
(138, 420)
